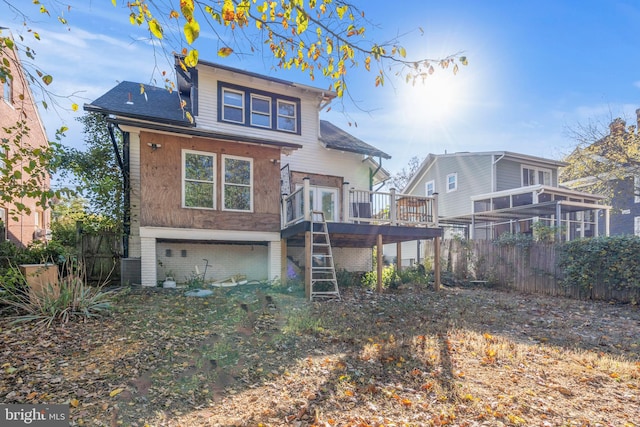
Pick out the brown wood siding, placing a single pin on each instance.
(161, 185)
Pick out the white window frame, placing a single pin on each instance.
(260, 113)
(536, 170)
(636, 225)
(184, 178)
(224, 182)
(317, 204)
(455, 182)
(294, 117)
(636, 189)
(7, 91)
(431, 183)
(224, 106)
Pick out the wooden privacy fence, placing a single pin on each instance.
(531, 268)
(101, 253)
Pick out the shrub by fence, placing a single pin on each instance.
(591, 269)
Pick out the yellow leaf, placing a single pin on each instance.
(74, 107)
(74, 403)
(487, 336)
(225, 51)
(47, 79)
(402, 51)
(191, 31)
(113, 2)
(191, 60)
(155, 28)
(116, 392)
(141, 88)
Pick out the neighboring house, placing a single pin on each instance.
(484, 194)
(207, 180)
(623, 185)
(16, 105)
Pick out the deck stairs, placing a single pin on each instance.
(324, 284)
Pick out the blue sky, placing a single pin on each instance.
(536, 68)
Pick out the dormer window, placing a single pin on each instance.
(256, 108)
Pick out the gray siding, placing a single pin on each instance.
(474, 177)
(508, 175)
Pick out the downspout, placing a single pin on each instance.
(373, 174)
(123, 163)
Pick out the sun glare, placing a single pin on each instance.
(438, 99)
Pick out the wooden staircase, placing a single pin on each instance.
(324, 284)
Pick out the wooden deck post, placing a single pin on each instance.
(399, 257)
(436, 263)
(283, 262)
(307, 264)
(379, 263)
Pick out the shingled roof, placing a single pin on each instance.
(334, 137)
(151, 103)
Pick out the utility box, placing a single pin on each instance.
(42, 280)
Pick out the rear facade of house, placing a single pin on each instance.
(207, 166)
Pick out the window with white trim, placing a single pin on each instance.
(198, 183)
(430, 188)
(636, 226)
(232, 105)
(245, 106)
(532, 175)
(7, 90)
(636, 189)
(452, 182)
(260, 111)
(237, 185)
(286, 116)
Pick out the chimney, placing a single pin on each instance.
(617, 127)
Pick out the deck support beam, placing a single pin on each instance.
(436, 263)
(283, 262)
(307, 264)
(379, 264)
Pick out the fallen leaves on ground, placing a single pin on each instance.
(254, 355)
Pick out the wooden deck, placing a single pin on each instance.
(346, 235)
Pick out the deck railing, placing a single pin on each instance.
(367, 207)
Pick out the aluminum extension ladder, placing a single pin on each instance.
(324, 284)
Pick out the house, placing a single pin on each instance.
(223, 176)
(621, 183)
(17, 105)
(484, 194)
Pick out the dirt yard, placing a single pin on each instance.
(254, 355)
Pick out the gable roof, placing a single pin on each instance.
(432, 158)
(334, 137)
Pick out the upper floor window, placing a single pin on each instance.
(237, 187)
(265, 109)
(429, 188)
(636, 188)
(535, 176)
(7, 91)
(232, 106)
(286, 116)
(260, 111)
(198, 171)
(452, 182)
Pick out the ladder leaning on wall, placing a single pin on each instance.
(324, 284)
